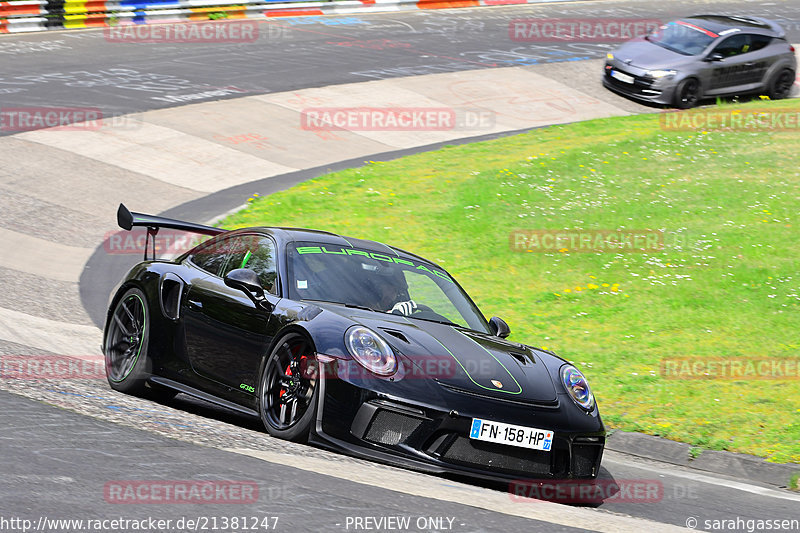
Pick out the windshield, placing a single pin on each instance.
(682, 37)
(380, 282)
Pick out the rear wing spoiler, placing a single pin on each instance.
(774, 26)
(128, 220)
(780, 33)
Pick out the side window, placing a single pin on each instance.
(212, 256)
(757, 42)
(734, 45)
(257, 253)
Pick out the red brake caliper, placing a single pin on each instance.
(287, 372)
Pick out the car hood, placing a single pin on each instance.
(646, 55)
(462, 359)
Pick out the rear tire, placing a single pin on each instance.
(781, 84)
(288, 392)
(127, 349)
(687, 94)
(127, 342)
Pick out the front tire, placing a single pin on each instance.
(687, 94)
(127, 342)
(288, 389)
(781, 84)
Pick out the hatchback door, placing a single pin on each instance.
(740, 64)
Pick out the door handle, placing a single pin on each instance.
(194, 304)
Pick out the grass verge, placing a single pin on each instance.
(725, 287)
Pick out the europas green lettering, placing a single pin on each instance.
(372, 255)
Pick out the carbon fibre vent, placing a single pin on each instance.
(397, 334)
(584, 459)
(507, 458)
(170, 296)
(390, 428)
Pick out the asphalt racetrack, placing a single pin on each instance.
(199, 128)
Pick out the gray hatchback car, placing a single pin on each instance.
(703, 56)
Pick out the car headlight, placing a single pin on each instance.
(609, 55)
(657, 74)
(370, 350)
(577, 387)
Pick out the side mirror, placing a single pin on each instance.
(246, 280)
(499, 327)
(715, 57)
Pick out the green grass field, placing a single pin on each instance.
(725, 286)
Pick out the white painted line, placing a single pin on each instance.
(50, 335)
(416, 484)
(704, 478)
(40, 257)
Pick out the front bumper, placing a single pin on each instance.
(643, 88)
(432, 435)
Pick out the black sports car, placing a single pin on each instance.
(350, 344)
(704, 56)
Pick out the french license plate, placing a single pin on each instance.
(500, 433)
(621, 76)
